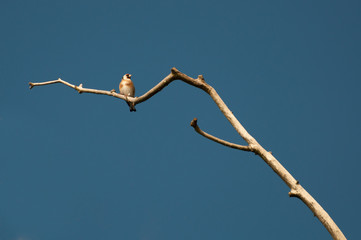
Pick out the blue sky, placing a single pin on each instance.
(83, 167)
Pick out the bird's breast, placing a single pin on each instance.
(126, 88)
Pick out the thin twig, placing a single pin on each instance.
(80, 89)
(218, 140)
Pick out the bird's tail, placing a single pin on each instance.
(131, 107)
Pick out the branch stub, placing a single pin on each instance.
(200, 77)
(194, 122)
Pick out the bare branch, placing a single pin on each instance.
(80, 89)
(174, 75)
(218, 140)
(296, 190)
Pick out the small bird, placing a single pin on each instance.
(127, 89)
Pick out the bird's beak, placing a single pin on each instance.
(130, 75)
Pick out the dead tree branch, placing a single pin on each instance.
(218, 140)
(296, 190)
(80, 88)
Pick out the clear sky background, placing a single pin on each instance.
(83, 167)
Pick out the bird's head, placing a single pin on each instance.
(127, 76)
